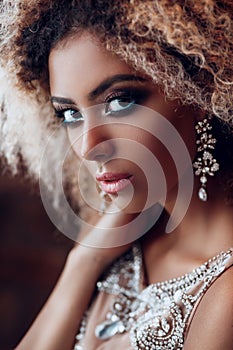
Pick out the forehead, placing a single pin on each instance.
(81, 63)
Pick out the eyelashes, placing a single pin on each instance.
(121, 102)
(117, 103)
(68, 115)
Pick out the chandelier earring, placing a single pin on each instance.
(103, 204)
(205, 163)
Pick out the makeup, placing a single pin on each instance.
(113, 183)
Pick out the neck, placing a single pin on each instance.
(207, 227)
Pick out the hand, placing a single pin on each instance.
(109, 236)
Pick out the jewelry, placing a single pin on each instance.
(157, 316)
(103, 206)
(205, 164)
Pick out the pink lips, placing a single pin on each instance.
(113, 183)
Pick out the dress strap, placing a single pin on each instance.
(226, 263)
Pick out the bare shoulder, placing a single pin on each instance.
(212, 325)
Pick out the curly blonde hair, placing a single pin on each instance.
(185, 46)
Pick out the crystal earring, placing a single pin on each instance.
(103, 206)
(205, 163)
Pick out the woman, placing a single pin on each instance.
(105, 66)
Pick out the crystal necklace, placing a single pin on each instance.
(156, 317)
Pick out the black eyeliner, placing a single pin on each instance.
(138, 94)
(59, 109)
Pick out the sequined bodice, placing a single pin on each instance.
(156, 317)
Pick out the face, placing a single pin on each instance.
(115, 117)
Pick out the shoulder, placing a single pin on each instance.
(212, 324)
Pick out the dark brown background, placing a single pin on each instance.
(32, 254)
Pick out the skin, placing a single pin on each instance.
(94, 142)
(79, 66)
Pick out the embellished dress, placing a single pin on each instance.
(126, 315)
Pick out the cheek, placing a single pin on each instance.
(161, 155)
(74, 136)
(182, 118)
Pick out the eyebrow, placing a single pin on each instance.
(62, 100)
(104, 85)
(107, 83)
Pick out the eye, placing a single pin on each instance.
(118, 105)
(72, 116)
(120, 102)
(69, 115)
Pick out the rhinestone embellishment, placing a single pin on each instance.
(156, 317)
(205, 163)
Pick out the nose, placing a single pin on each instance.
(92, 140)
(96, 144)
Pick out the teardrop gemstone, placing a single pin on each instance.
(202, 194)
(108, 329)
